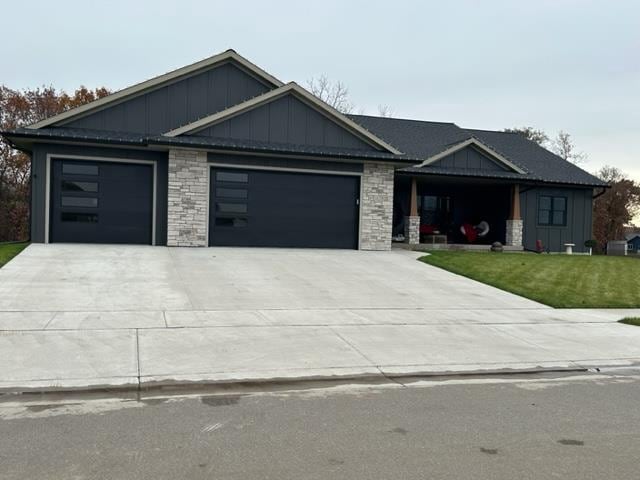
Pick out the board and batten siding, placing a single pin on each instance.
(579, 219)
(178, 103)
(469, 159)
(286, 120)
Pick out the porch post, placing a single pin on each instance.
(412, 222)
(514, 223)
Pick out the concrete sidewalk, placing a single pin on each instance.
(42, 351)
(91, 316)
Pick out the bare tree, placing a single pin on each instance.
(336, 94)
(531, 133)
(616, 207)
(385, 111)
(564, 147)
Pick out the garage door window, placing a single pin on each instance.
(231, 193)
(79, 217)
(231, 207)
(231, 222)
(75, 169)
(73, 186)
(90, 202)
(232, 177)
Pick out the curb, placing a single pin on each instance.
(281, 381)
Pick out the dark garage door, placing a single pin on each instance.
(282, 209)
(100, 202)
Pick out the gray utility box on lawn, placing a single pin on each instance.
(617, 247)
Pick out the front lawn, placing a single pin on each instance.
(10, 250)
(559, 281)
(630, 321)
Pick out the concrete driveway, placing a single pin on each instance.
(72, 278)
(79, 316)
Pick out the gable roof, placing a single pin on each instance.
(425, 139)
(156, 82)
(291, 88)
(22, 138)
(472, 141)
(630, 236)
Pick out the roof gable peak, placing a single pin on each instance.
(157, 82)
(291, 88)
(473, 141)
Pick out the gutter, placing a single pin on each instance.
(599, 194)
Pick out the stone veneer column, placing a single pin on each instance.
(514, 224)
(188, 199)
(376, 206)
(412, 230)
(514, 233)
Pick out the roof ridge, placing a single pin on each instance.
(402, 119)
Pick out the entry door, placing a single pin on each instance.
(283, 209)
(101, 202)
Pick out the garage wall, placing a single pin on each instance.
(376, 206)
(38, 179)
(283, 162)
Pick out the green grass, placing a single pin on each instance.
(10, 250)
(560, 281)
(631, 321)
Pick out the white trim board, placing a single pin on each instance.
(155, 82)
(308, 98)
(63, 156)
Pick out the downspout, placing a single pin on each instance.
(604, 189)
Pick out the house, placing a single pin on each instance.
(633, 242)
(221, 152)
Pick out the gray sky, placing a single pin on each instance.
(551, 64)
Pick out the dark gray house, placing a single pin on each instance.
(222, 153)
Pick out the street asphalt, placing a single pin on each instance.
(526, 427)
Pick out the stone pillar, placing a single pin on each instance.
(514, 224)
(376, 206)
(412, 222)
(514, 233)
(188, 199)
(412, 230)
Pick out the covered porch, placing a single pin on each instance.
(438, 211)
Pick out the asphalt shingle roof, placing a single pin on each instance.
(418, 140)
(425, 139)
(127, 138)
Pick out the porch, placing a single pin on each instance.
(446, 212)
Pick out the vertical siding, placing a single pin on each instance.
(579, 219)
(286, 120)
(470, 159)
(178, 103)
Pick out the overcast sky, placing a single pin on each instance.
(550, 64)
